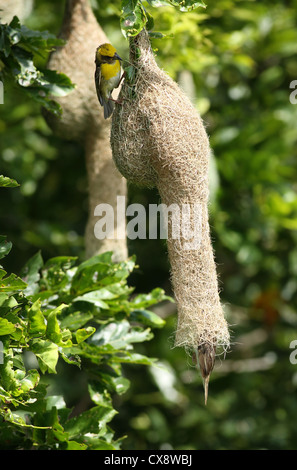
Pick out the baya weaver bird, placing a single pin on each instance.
(107, 76)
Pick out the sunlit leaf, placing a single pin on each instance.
(6, 327)
(6, 182)
(47, 355)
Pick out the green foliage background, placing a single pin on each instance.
(242, 59)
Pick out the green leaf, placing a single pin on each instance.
(182, 5)
(56, 401)
(37, 94)
(5, 43)
(18, 47)
(104, 259)
(142, 301)
(133, 18)
(73, 445)
(47, 355)
(25, 72)
(134, 358)
(98, 393)
(91, 421)
(119, 335)
(37, 40)
(30, 273)
(100, 271)
(53, 331)
(5, 246)
(6, 327)
(76, 320)
(70, 358)
(117, 384)
(36, 321)
(130, 73)
(57, 84)
(148, 318)
(94, 443)
(96, 297)
(11, 283)
(84, 333)
(92, 298)
(6, 182)
(150, 21)
(30, 381)
(7, 302)
(54, 272)
(159, 35)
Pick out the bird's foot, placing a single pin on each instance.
(117, 101)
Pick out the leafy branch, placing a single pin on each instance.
(82, 315)
(18, 47)
(135, 17)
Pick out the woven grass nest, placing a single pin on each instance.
(158, 139)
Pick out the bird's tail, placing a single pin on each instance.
(108, 106)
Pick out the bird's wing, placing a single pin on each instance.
(97, 84)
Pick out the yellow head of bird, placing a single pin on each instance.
(106, 53)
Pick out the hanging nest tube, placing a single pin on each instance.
(158, 139)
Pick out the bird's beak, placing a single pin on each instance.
(116, 56)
